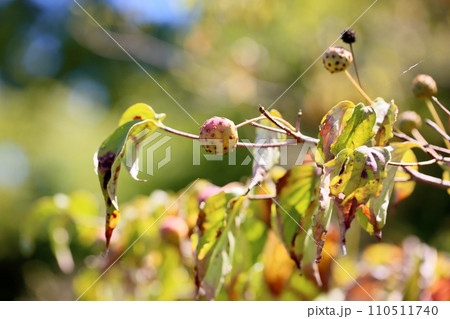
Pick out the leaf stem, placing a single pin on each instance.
(356, 85)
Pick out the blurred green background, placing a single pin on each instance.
(64, 84)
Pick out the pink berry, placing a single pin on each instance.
(174, 229)
(218, 135)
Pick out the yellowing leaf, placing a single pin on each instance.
(278, 266)
(446, 177)
(386, 117)
(137, 123)
(372, 217)
(140, 111)
(403, 190)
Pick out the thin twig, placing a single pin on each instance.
(437, 129)
(274, 121)
(402, 179)
(256, 145)
(436, 118)
(180, 133)
(407, 138)
(426, 179)
(424, 163)
(250, 121)
(262, 118)
(441, 105)
(415, 132)
(261, 196)
(299, 117)
(272, 129)
(297, 135)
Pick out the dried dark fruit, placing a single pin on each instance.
(349, 36)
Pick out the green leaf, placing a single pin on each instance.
(358, 130)
(297, 196)
(356, 177)
(372, 216)
(358, 173)
(138, 121)
(386, 117)
(214, 239)
(332, 126)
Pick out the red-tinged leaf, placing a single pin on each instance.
(332, 126)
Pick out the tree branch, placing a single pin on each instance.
(297, 135)
(256, 145)
(424, 163)
(440, 105)
(272, 129)
(265, 196)
(407, 138)
(180, 133)
(426, 179)
(437, 129)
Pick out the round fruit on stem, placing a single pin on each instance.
(409, 120)
(218, 135)
(424, 86)
(337, 59)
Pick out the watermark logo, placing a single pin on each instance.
(148, 151)
(283, 154)
(142, 150)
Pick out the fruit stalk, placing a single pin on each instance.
(356, 85)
